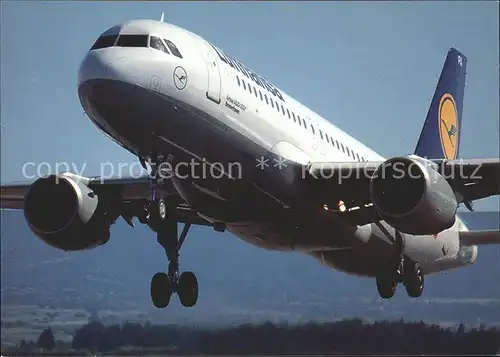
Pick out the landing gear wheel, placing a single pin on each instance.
(386, 285)
(157, 213)
(187, 289)
(161, 290)
(413, 279)
(158, 210)
(185, 284)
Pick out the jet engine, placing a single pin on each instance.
(66, 214)
(412, 196)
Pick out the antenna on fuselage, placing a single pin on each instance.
(161, 18)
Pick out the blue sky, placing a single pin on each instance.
(370, 68)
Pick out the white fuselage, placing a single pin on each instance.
(233, 106)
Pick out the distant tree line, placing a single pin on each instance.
(344, 337)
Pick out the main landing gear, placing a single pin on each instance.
(398, 270)
(163, 285)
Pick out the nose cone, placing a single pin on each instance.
(101, 76)
(101, 64)
(113, 96)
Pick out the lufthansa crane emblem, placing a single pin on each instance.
(448, 126)
(180, 78)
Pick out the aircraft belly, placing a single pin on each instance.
(365, 259)
(286, 238)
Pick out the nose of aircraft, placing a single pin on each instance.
(113, 96)
(100, 64)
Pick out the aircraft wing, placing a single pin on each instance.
(130, 189)
(330, 183)
(479, 237)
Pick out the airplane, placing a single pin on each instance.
(223, 147)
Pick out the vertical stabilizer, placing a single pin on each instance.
(440, 136)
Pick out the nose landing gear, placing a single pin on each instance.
(163, 285)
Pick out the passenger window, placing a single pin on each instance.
(277, 106)
(238, 80)
(282, 109)
(157, 44)
(288, 112)
(132, 41)
(321, 134)
(358, 157)
(255, 92)
(312, 129)
(173, 48)
(260, 94)
(342, 145)
(272, 103)
(250, 88)
(327, 139)
(265, 96)
(244, 85)
(104, 41)
(305, 123)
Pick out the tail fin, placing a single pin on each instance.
(440, 136)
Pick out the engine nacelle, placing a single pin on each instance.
(65, 213)
(412, 196)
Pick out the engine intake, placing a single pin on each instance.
(65, 213)
(412, 196)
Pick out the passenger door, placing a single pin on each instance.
(214, 80)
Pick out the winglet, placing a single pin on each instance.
(440, 136)
(161, 18)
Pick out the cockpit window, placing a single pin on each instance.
(173, 48)
(104, 41)
(157, 43)
(133, 41)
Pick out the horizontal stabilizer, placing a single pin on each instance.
(479, 237)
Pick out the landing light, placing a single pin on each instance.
(325, 207)
(342, 206)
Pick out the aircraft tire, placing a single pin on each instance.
(413, 280)
(161, 290)
(157, 213)
(386, 285)
(187, 289)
